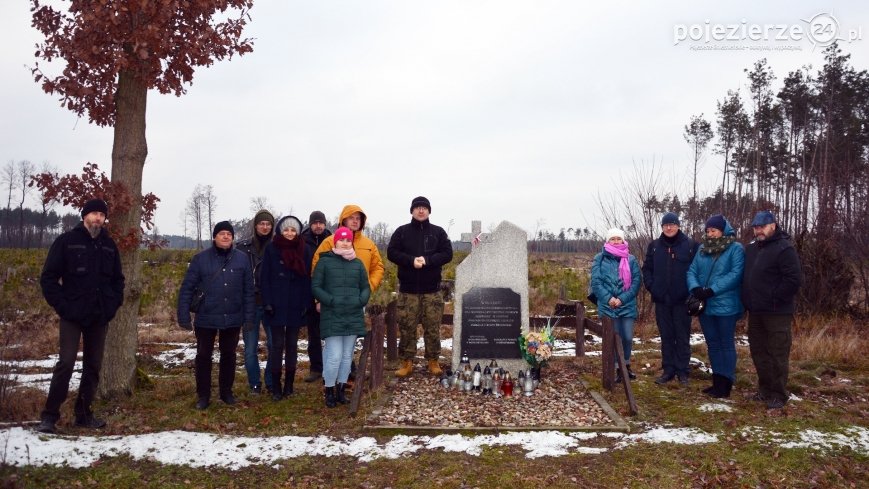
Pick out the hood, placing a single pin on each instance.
(728, 229)
(348, 210)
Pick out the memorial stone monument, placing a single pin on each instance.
(491, 300)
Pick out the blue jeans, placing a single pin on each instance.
(337, 355)
(625, 328)
(251, 355)
(719, 331)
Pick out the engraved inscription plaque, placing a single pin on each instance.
(491, 323)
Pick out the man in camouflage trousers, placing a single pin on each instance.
(420, 249)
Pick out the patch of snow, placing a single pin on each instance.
(26, 447)
(794, 397)
(855, 437)
(715, 407)
(682, 436)
(700, 365)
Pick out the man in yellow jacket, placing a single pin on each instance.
(353, 217)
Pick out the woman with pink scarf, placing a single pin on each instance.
(616, 280)
(340, 286)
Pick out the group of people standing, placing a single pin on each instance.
(285, 278)
(762, 278)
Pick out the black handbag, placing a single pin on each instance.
(197, 300)
(697, 306)
(199, 294)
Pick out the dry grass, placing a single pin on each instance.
(830, 340)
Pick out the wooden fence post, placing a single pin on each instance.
(378, 329)
(580, 329)
(391, 332)
(606, 354)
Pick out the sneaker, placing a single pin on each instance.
(683, 380)
(663, 379)
(276, 396)
(228, 399)
(47, 426)
(313, 377)
(631, 374)
(256, 390)
(619, 378)
(775, 403)
(202, 404)
(89, 421)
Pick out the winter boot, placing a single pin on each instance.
(330, 397)
(406, 368)
(717, 388)
(288, 383)
(340, 394)
(434, 368)
(631, 374)
(725, 385)
(47, 425)
(716, 384)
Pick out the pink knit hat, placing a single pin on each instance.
(343, 233)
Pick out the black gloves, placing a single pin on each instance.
(701, 293)
(269, 310)
(247, 327)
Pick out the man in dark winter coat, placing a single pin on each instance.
(772, 278)
(664, 275)
(263, 222)
(313, 235)
(82, 280)
(224, 275)
(420, 249)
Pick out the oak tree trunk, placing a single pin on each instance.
(129, 151)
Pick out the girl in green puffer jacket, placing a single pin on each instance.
(340, 286)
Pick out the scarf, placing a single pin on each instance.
(621, 251)
(348, 255)
(713, 246)
(291, 253)
(259, 243)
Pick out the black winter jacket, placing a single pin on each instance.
(666, 267)
(313, 241)
(82, 278)
(229, 301)
(255, 256)
(772, 276)
(419, 238)
(288, 294)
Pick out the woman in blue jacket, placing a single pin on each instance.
(224, 274)
(616, 280)
(285, 285)
(715, 276)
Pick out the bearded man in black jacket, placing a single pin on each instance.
(420, 249)
(83, 282)
(770, 283)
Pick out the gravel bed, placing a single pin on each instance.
(560, 401)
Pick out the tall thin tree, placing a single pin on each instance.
(113, 53)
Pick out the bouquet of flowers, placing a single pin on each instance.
(536, 346)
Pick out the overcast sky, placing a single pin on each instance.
(494, 110)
